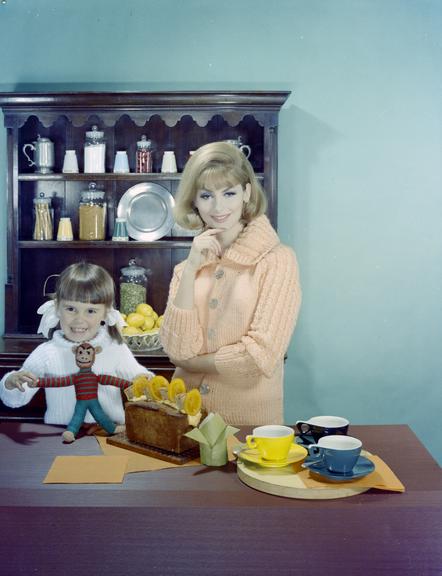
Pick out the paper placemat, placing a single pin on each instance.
(138, 462)
(87, 470)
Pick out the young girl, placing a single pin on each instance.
(83, 311)
(234, 302)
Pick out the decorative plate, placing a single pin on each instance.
(148, 210)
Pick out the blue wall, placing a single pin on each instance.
(360, 183)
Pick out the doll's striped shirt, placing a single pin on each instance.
(85, 382)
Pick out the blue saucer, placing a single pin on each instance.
(362, 468)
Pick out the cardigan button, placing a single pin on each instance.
(219, 273)
(211, 334)
(204, 389)
(213, 303)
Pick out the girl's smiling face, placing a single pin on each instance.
(222, 208)
(80, 321)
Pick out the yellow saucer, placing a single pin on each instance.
(296, 453)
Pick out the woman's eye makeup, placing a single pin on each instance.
(205, 195)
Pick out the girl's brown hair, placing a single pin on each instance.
(89, 283)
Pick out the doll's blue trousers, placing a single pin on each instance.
(94, 407)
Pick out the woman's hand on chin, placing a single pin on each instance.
(206, 241)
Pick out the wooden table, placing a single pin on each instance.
(192, 521)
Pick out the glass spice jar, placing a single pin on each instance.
(133, 287)
(43, 218)
(94, 152)
(144, 155)
(92, 214)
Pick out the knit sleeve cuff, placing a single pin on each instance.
(181, 334)
(235, 360)
(15, 398)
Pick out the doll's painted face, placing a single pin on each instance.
(222, 208)
(80, 321)
(84, 355)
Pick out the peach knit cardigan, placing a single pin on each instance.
(246, 306)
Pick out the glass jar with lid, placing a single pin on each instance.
(92, 214)
(43, 218)
(94, 152)
(133, 286)
(144, 155)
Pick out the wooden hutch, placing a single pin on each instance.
(178, 121)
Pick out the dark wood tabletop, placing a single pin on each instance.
(199, 520)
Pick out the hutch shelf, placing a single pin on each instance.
(178, 121)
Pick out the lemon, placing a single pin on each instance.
(155, 315)
(148, 323)
(155, 384)
(144, 309)
(135, 319)
(176, 386)
(159, 321)
(139, 384)
(131, 331)
(124, 316)
(192, 402)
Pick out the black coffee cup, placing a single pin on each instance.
(320, 426)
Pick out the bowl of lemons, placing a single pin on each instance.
(142, 331)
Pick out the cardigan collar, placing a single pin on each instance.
(252, 244)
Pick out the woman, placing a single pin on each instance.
(233, 303)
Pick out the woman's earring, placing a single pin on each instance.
(103, 323)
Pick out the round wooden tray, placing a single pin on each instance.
(286, 482)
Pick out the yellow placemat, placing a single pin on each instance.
(87, 470)
(140, 463)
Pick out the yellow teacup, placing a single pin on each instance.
(272, 442)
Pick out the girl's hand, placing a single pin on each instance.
(206, 241)
(18, 379)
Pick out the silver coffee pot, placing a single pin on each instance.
(243, 147)
(43, 149)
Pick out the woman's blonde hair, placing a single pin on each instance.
(211, 167)
(89, 283)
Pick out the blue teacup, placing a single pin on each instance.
(339, 454)
(320, 426)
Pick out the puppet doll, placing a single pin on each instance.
(86, 391)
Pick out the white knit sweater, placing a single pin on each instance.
(246, 306)
(56, 358)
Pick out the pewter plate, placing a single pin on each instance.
(148, 209)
